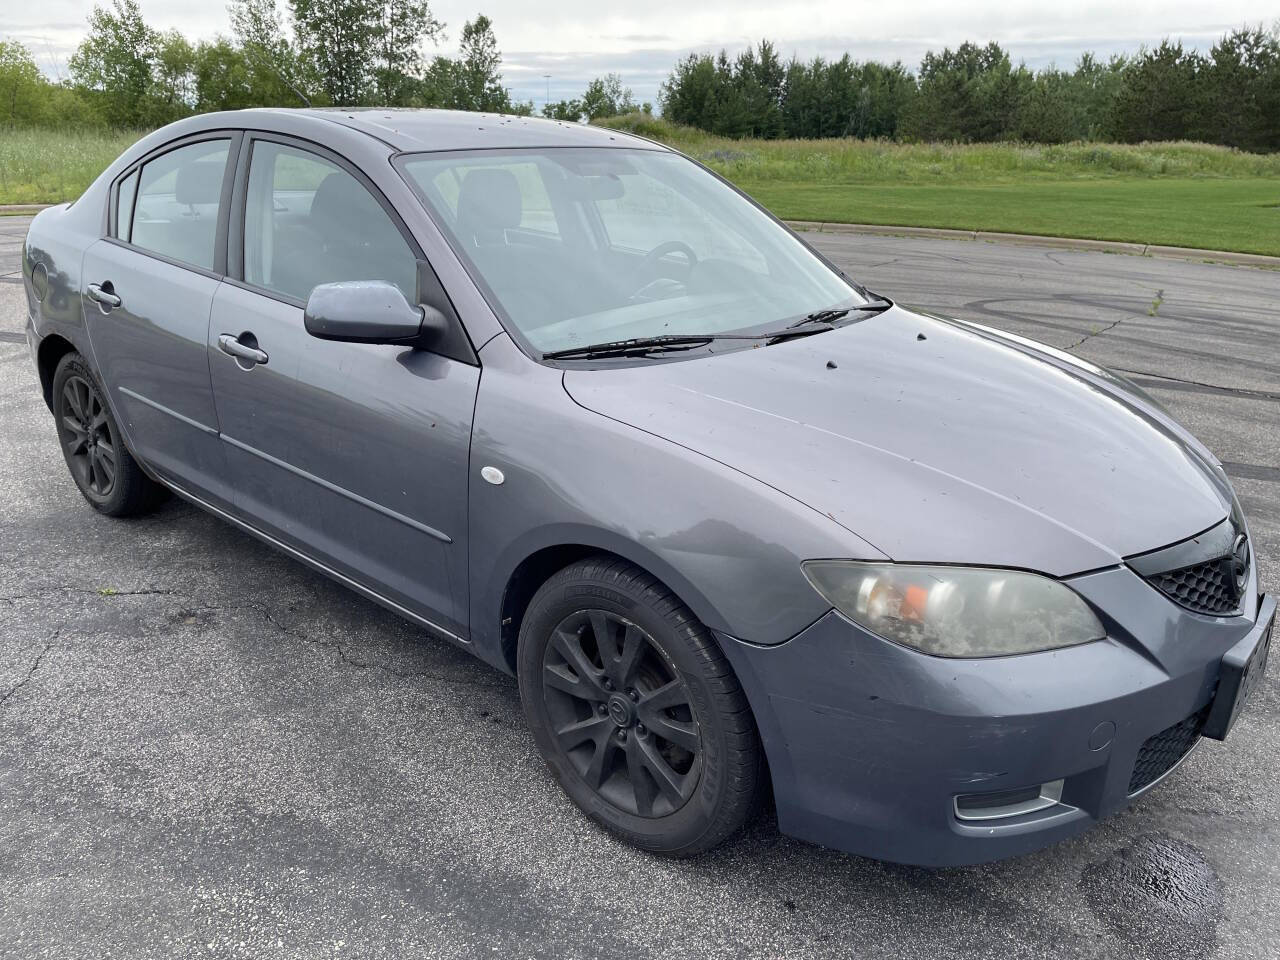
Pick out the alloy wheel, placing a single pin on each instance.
(86, 435)
(621, 713)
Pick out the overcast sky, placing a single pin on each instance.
(575, 40)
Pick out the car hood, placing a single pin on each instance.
(934, 441)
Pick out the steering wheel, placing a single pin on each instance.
(661, 250)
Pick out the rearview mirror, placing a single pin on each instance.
(605, 187)
(368, 311)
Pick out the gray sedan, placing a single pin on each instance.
(567, 399)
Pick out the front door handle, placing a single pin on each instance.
(243, 348)
(105, 294)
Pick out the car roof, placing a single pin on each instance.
(423, 129)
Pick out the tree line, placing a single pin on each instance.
(319, 52)
(976, 94)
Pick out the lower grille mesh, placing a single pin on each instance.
(1162, 751)
(1207, 587)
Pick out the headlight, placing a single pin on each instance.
(956, 611)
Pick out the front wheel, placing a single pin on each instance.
(636, 710)
(104, 471)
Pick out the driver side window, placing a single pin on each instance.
(308, 221)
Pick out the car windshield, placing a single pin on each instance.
(585, 246)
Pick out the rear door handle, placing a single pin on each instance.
(243, 347)
(104, 294)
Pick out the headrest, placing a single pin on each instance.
(200, 182)
(488, 203)
(340, 204)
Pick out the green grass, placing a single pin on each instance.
(1179, 194)
(49, 166)
(1240, 215)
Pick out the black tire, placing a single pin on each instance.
(104, 471)
(648, 730)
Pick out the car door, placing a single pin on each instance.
(354, 454)
(149, 287)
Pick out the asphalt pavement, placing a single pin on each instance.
(208, 750)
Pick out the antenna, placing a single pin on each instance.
(279, 75)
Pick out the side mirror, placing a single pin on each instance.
(369, 311)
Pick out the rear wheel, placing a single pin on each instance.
(104, 471)
(635, 709)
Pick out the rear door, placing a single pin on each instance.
(355, 454)
(149, 287)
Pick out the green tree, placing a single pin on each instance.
(1239, 96)
(687, 94)
(115, 62)
(606, 97)
(1157, 98)
(970, 94)
(563, 110)
(223, 77)
(22, 91)
(477, 78)
(472, 81)
(400, 65)
(1093, 89)
(760, 77)
(1048, 111)
(802, 104)
(274, 73)
(173, 86)
(339, 39)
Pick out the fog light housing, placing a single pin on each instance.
(1000, 804)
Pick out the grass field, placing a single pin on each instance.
(1180, 194)
(49, 166)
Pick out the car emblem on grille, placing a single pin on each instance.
(1240, 564)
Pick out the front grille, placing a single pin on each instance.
(1162, 751)
(1207, 587)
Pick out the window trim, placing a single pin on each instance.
(240, 204)
(457, 347)
(113, 214)
(235, 143)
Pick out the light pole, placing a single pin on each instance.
(547, 102)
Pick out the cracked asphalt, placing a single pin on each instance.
(207, 750)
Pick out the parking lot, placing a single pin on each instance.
(206, 749)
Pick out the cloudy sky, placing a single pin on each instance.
(575, 40)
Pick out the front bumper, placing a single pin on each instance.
(870, 743)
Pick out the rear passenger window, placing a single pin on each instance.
(176, 213)
(307, 221)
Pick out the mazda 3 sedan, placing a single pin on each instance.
(569, 400)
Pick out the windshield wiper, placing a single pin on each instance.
(830, 316)
(636, 346)
(820, 321)
(817, 322)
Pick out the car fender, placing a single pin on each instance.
(545, 472)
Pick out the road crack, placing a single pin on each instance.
(1214, 387)
(1097, 333)
(31, 670)
(104, 592)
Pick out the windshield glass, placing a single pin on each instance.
(583, 246)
